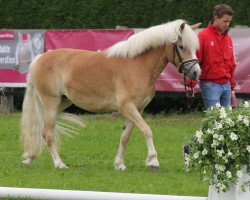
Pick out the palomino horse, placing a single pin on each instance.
(121, 78)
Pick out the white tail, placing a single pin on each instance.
(32, 123)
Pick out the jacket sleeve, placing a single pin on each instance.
(233, 66)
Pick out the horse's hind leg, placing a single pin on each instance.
(50, 117)
(130, 112)
(119, 160)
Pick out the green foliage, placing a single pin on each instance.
(102, 14)
(91, 155)
(221, 148)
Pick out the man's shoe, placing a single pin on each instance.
(185, 152)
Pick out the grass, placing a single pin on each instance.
(91, 154)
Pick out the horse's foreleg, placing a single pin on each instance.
(119, 160)
(130, 112)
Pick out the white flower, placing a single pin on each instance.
(240, 117)
(199, 134)
(223, 113)
(225, 159)
(229, 174)
(215, 136)
(200, 140)
(239, 173)
(221, 138)
(246, 121)
(229, 121)
(204, 152)
(217, 125)
(220, 168)
(217, 105)
(220, 152)
(246, 104)
(214, 144)
(248, 148)
(196, 155)
(209, 131)
(229, 153)
(233, 136)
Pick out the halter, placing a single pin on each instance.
(183, 66)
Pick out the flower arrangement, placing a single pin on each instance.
(221, 148)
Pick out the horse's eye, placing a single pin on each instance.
(182, 47)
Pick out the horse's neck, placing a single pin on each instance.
(155, 61)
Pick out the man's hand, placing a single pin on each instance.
(233, 100)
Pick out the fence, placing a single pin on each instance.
(11, 192)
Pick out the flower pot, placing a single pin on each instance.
(235, 192)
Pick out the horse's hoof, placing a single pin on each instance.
(153, 168)
(120, 168)
(27, 161)
(61, 166)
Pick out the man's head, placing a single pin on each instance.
(223, 15)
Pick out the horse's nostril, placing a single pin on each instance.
(195, 73)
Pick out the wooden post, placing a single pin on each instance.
(6, 100)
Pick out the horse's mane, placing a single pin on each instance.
(154, 37)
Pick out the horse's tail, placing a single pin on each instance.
(32, 121)
(69, 124)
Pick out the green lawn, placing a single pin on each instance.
(90, 156)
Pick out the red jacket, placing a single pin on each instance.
(216, 56)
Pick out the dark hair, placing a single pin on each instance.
(223, 9)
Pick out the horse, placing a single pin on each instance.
(119, 79)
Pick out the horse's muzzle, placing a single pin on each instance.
(194, 72)
(191, 68)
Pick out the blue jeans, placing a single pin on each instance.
(213, 93)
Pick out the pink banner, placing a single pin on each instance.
(170, 80)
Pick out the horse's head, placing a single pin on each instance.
(184, 49)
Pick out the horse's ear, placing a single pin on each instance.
(182, 27)
(195, 26)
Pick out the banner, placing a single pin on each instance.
(13, 65)
(92, 40)
(17, 49)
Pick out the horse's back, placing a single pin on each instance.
(85, 77)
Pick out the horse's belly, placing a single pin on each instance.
(94, 103)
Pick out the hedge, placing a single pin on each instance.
(102, 14)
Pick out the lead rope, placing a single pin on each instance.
(189, 94)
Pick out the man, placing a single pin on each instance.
(217, 61)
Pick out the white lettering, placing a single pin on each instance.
(7, 60)
(6, 36)
(4, 49)
(178, 85)
(181, 86)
